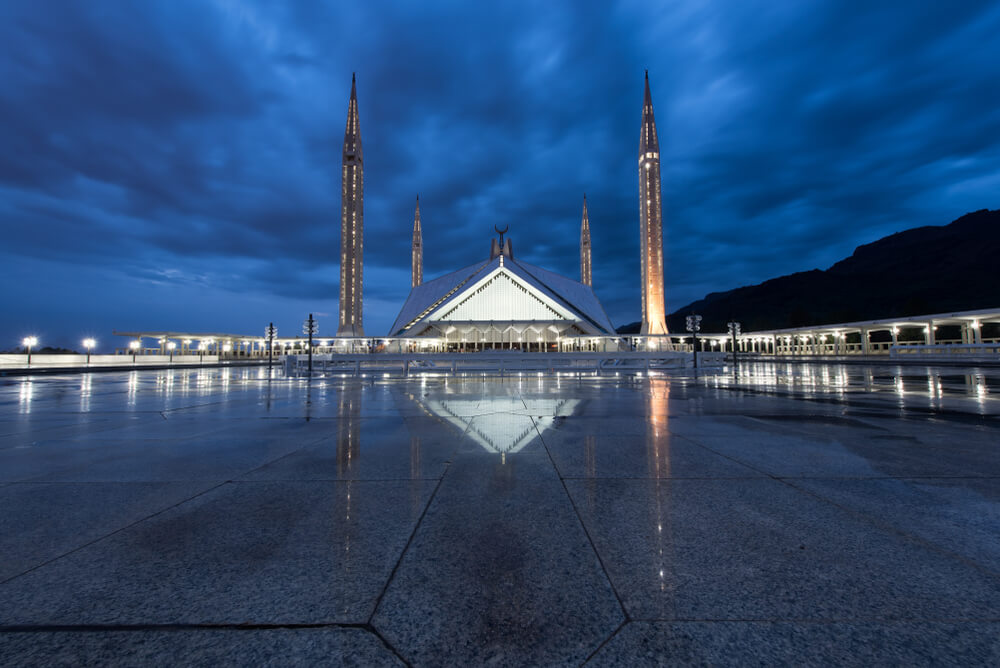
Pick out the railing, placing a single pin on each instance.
(960, 351)
(496, 362)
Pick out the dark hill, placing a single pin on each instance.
(932, 269)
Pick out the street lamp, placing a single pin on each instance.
(171, 346)
(134, 346)
(89, 345)
(270, 332)
(693, 325)
(29, 342)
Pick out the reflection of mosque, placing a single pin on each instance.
(490, 426)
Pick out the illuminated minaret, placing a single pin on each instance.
(650, 222)
(585, 276)
(352, 224)
(418, 249)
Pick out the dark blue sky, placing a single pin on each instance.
(176, 164)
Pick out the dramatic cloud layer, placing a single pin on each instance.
(177, 164)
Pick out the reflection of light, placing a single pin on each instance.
(85, 391)
(25, 393)
(133, 386)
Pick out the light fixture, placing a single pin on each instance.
(89, 345)
(29, 342)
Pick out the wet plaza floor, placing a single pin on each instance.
(801, 514)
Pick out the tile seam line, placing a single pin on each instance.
(115, 532)
(308, 444)
(413, 534)
(606, 641)
(583, 526)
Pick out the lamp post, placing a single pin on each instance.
(309, 328)
(694, 326)
(134, 346)
(270, 331)
(89, 345)
(171, 346)
(29, 342)
(734, 331)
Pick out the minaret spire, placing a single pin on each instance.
(585, 276)
(352, 225)
(418, 249)
(651, 222)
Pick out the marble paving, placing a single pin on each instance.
(781, 514)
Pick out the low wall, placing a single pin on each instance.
(497, 362)
(80, 361)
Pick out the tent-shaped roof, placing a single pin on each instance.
(570, 299)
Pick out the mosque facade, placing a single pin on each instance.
(502, 302)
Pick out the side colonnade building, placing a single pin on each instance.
(910, 335)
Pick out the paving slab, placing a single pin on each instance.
(784, 514)
(203, 647)
(220, 455)
(759, 549)
(589, 447)
(43, 521)
(385, 448)
(958, 515)
(248, 552)
(500, 572)
(802, 644)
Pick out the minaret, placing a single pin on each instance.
(650, 222)
(418, 249)
(352, 223)
(585, 276)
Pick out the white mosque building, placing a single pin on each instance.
(501, 302)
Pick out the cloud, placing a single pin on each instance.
(196, 146)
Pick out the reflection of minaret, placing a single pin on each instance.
(650, 222)
(658, 459)
(352, 223)
(349, 430)
(418, 249)
(585, 276)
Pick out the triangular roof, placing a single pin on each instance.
(571, 299)
(498, 431)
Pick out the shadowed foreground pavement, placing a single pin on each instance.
(807, 515)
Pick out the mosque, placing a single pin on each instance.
(500, 302)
